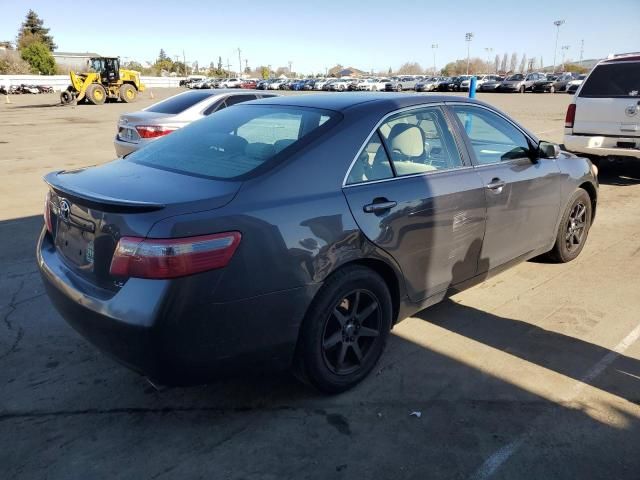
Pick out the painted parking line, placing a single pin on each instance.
(495, 461)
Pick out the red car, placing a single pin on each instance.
(249, 84)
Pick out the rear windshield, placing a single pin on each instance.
(180, 102)
(613, 80)
(235, 141)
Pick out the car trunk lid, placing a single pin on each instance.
(91, 209)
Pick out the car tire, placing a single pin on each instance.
(573, 229)
(522, 89)
(399, 88)
(343, 334)
(96, 94)
(552, 89)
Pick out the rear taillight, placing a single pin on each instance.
(171, 258)
(571, 116)
(47, 212)
(153, 131)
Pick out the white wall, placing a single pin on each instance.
(60, 82)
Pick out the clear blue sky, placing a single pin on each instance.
(316, 34)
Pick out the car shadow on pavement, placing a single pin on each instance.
(564, 354)
(620, 173)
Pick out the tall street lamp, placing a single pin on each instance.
(467, 38)
(434, 47)
(558, 24)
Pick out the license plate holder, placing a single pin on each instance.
(76, 245)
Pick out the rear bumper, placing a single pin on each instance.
(124, 148)
(148, 326)
(601, 146)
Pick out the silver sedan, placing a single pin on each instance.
(137, 129)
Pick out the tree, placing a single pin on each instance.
(264, 73)
(503, 64)
(32, 30)
(195, 69)
(523, 63)
(459, 67)
(513, 63)
(162, 55)
(410, 68)
(496, 63)
(390, 72)
(220, 64)
(38, 56)
(12, 64)
(532, 64)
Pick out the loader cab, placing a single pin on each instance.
(107, 67)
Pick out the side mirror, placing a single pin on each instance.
(548, 150)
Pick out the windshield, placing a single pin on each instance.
(234, 141)
(613, 80)
(515, 77)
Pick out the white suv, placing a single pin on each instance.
(604, 118)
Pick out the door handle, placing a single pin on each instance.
(377, 207)
(496, 185)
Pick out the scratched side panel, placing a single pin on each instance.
(434, 232)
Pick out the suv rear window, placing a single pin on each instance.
(180, 102)
(613, 80)
(235, 141)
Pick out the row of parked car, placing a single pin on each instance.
(24, 89)
(531, 82)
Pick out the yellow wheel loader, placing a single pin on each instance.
(103, 79)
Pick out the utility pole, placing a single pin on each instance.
(434, 47)
(246, 64)
(581, 50)
(558, 24)
(489, 50)
(239, 64)
(290, 72)
(269, 67)
(184, 62)
(467, 38)
(228, 68)
(564, 48)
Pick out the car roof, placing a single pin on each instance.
(342, 101)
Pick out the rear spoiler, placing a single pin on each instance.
(96, 200)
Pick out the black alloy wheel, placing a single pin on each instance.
(574, 228)
(345, 330)
(350, 331)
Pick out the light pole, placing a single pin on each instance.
(564, 48)
(239, 65)
(467, 38)
(290, 72)
(434, 47)
(489, 50)
(558, 24)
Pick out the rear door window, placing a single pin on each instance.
(608, 80)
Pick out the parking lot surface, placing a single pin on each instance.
(534, 374)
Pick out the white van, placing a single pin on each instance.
(604, 118)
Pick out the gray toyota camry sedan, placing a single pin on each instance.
(296, 231)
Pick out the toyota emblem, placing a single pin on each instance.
(64, 210)
(631, 110)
